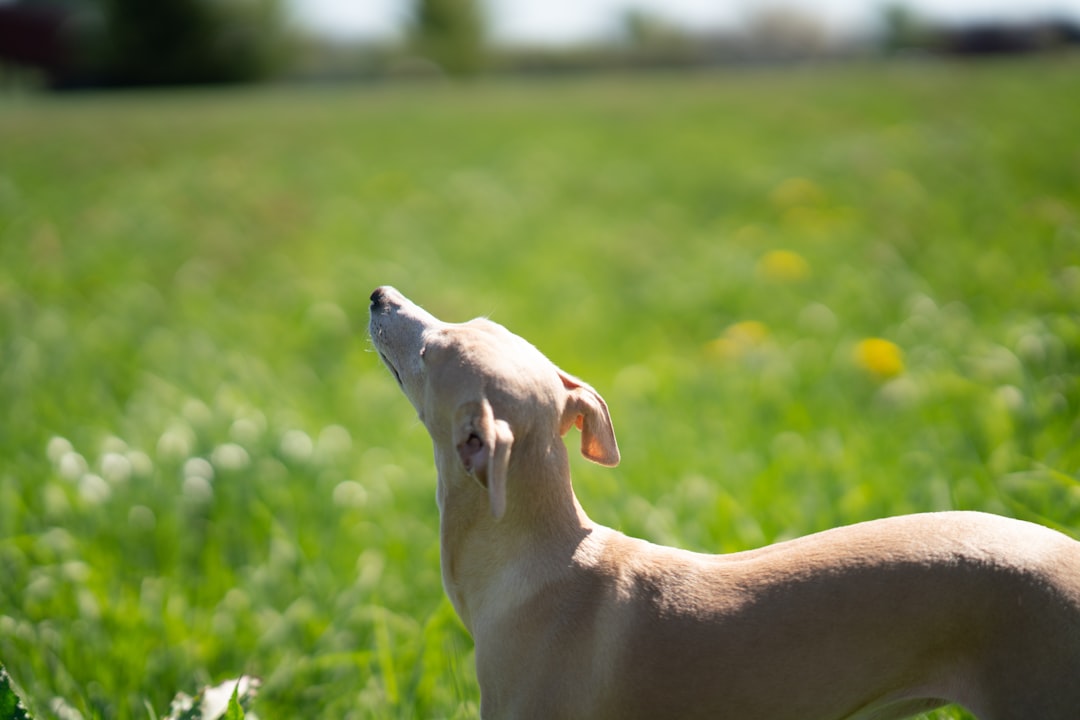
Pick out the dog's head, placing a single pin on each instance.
(477, 388)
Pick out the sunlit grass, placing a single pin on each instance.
(204, 471)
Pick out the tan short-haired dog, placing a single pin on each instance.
(882, 619)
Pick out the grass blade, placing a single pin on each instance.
(11, 707)
(234, 711)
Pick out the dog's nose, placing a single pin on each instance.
(378, 296)
(381, 297)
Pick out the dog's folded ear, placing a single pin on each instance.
(586, 410)
(483, 444)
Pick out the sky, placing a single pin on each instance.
(569, 21)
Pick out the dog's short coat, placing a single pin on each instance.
(881, 619)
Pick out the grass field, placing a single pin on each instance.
(205, 472)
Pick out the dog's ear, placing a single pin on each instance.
(586, 410)
(483, 445)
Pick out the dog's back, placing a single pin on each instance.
(881, 619)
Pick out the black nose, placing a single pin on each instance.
(384, 298)
(378, 298)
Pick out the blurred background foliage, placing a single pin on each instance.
(450, 33)
(812, 294)
(77, 44)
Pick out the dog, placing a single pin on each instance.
(882, 619)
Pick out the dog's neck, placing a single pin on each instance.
(543, 526)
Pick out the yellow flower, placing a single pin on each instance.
(738, 339)
(783, 266)
(879, 357)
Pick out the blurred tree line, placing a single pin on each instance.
(80, 43)
(87, 43)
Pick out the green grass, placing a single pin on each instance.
(204, 471)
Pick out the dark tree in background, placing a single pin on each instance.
(190, 41)
(147, 42)
(450, 33)
(162, 42)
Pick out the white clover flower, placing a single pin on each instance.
(230, 456)
(246, 431)
(215, 700)
(93, 489)
(115, 468)
(114, 444)
(198, 489)
(197, 412)
(334, 441)
(176, 442)
(901, 392)
(297, 445)
(64, 711)
(57, 448)
(350, 494)
(72, 466)
(76, 571)
(57, 540)
(199, 467)
(141, 464)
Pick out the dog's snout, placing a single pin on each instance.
(378, 297)
(386, 297)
